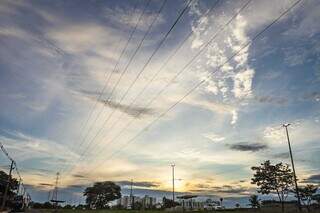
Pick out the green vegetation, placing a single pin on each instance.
(101, 193)
(276, 178)
(262, 210)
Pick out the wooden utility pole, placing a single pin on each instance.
(4, 199)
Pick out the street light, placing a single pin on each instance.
(292, 163)
(173, 165)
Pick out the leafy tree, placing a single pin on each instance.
(101, 193)
(137, 206)
(273, 179)
(306, 194)
(168, 203)
(316, 198)
(4, 177)
(254, 201)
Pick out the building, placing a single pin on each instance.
(188, 203)
(148, 202)
(127, 201)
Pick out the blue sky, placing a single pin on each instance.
(57, 56)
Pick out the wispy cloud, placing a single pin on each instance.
(214, 137)
(27, 147)
(146, 184)
(225, 189)
(134, 111)
(128, 17)
(312, 179)
(271, 99)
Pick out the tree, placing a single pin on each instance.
(13, 186)
(306, 194)
(316, 198)
(168, 203)
(273, 179)
(137, 206)
(254, 201)
(101, 193)
(221, 200)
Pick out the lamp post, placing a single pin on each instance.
(173, 165)
(292, 163)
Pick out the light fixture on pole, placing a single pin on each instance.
(292, 163)
(173, 165)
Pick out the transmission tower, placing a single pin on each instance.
(54, 199)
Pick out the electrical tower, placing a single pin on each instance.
(54, 199)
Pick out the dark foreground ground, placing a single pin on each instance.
(263, 210)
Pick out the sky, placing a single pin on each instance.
(121, 90)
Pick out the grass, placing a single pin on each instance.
(263, 210)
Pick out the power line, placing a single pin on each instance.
(114, 68)
(110, 74)
(145, 65)
(128, 64)
(140, 72)
(160, 69)
(222, 28)
(201, 82)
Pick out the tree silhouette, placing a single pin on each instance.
(101, 193)
(221, 200)
(273, 179)
(13, 186)
(254, 201)
(316, 198)
(168, 203)
(306, 194)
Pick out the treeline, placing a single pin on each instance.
(279, 179)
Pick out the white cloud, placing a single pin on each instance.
(234, 79)
(274, 134)
(234, 117)
(301, 132)
(243, 84)
(25, 147)
(306, 23)
(214, 137)
(128, 17)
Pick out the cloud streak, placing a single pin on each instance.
(248, 147)
(146, 184)
(134, 111)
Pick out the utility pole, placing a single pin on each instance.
(293, 169)
(131, 195)
(4, 199)
(172, 165)
(49, 195)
